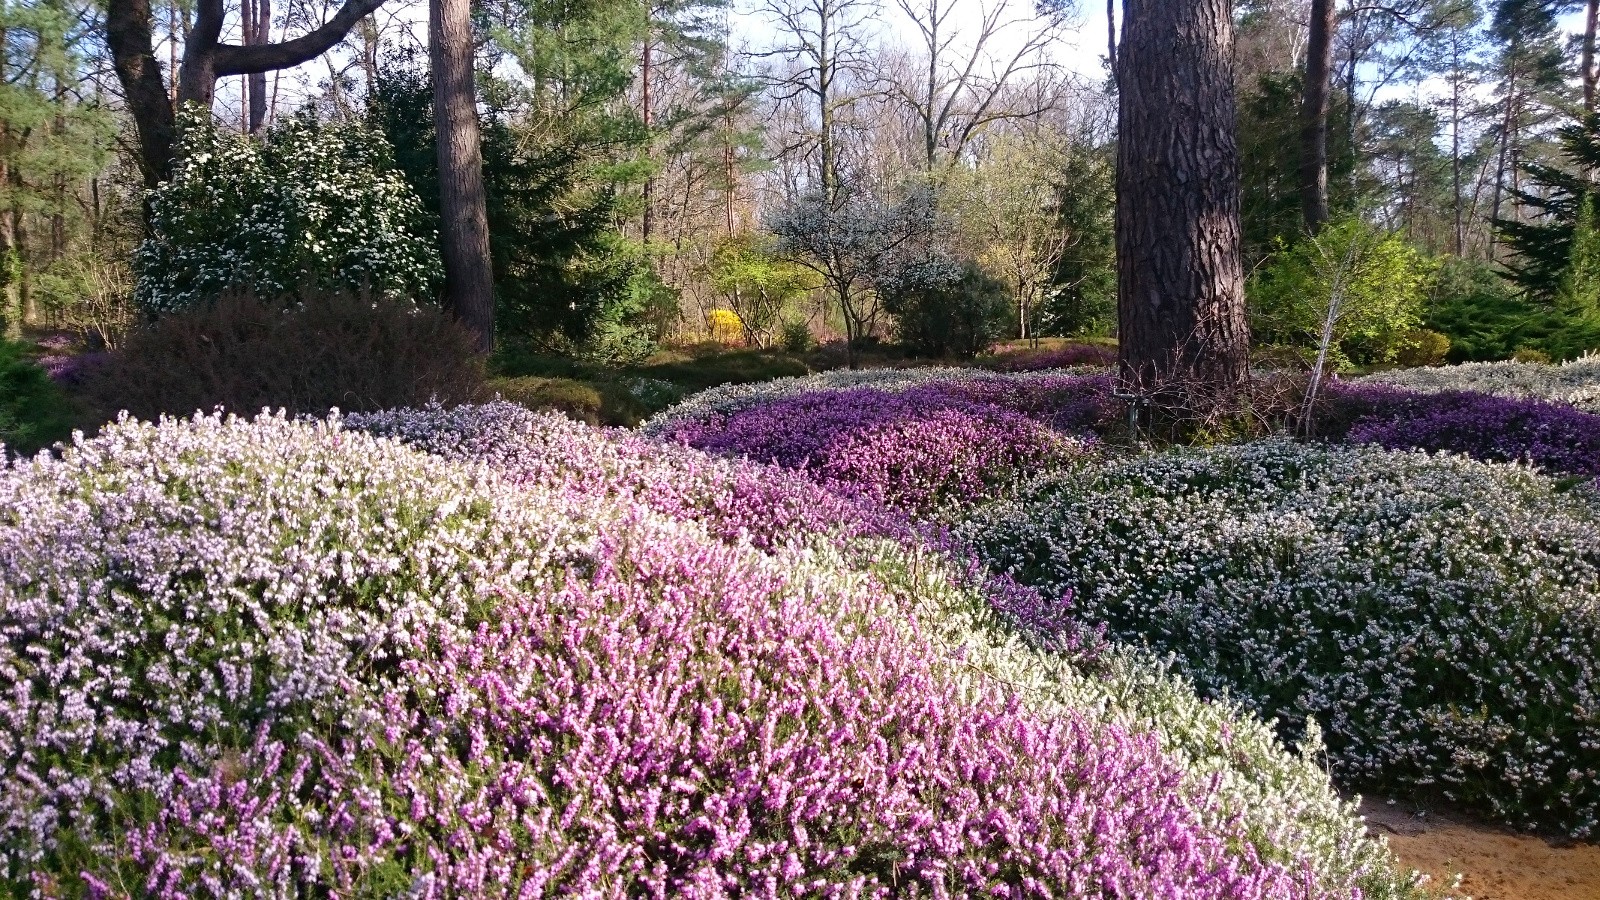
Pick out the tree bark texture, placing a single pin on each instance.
(129, 26)
(464, 226)
(1314, 111)
(129, 36)
(1180, 284)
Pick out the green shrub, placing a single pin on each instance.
(1423, 347)
(34, 413)
(576, 399)
(1381, 282)
(796, 337)
(245, 354)
(943, 308)
(1530, 355)
(314, 207)
(736, 367)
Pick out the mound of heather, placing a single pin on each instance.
(1438, 616)
(274, 658)
(1554, 436)
(915, 447)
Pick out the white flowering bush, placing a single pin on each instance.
(1438, 617)
(282, 659)
(1576, 382)
(311, 206)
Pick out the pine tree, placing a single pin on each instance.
(1542, 240)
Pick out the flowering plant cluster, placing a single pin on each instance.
(1436, 615)
(1553, 436)
(1575, 383)
(276, 658)
(916, 448)
(733, 499)
(733, 397)
(313, 206)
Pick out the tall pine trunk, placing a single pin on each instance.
(1314, 110)
(1180, 283)
(464, 226)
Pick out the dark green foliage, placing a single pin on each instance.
(559, 272)
(1482, 314)
(354, 352)
(1082, 297)
(34, 413)
(1543, 244)
(1269, 165)
(948, 311)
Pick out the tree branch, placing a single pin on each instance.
(233, 59)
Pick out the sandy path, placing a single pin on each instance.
(1496, 864)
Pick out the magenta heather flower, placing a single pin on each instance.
(913, 448)
(277, 659)
(1553, 436)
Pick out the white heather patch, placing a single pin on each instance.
(169, 587)
(1436, 616)
(1575, 383)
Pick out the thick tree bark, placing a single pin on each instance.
(1314, 110)
(205, 59)
(132, 45)
(464, 227)
(1180, 284)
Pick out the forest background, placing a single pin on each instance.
(928, 175)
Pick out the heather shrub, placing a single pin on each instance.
(1435, 615)
(918, 448)
(313, 207)
(363, 670)
(1575, 383)
(245, 354)
(731, 397)
(734, 499)
(34, 413)
(1552, 436)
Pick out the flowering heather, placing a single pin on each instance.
(1575, 383)
(70, 369)
(278, 659)
(1552, 436)
(734, 499)
(914, 448)
(1436, 615)
(733, 397)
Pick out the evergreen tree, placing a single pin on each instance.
(552, 244)
(1554, 195)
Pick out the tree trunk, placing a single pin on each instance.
(258, 33)
(464, 226)
(1590, 76)
(1180, 283)
(132, 44)
(1314, 116)
(129, 37)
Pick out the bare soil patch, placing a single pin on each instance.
(1495, 863)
